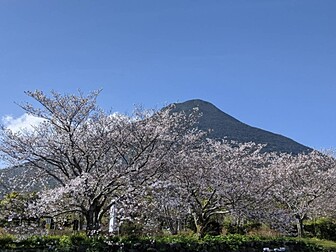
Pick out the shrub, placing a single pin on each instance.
(323, 228)
(229, 243)
(6, 241)
(129, 228)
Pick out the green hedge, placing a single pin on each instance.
(229, 243)
(322, 228)
(54, 243)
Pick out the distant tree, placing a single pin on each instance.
(13, 206)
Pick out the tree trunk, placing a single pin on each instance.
(197, 226)
(81, 221)
(173, 225)
(200, 224)
(92, 220)
(299, 227)
(202, 231)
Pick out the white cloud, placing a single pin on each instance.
(24, 122)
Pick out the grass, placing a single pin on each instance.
(323, 243)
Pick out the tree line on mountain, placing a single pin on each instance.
(154, 171)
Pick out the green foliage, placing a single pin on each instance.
(6, 241)
(213, 228)
(228, 243)
(129, 228)
(322, 228)
(55, 243)
(13, 205)
(186, 243)
(323, 243)
(244, 229)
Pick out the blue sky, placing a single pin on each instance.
(269, 63)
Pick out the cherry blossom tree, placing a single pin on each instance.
(95, 158)
(156, 166)
(163, 205)
(303, 184)
(217, 178)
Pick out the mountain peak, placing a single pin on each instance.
(222, 125)
(205, 107)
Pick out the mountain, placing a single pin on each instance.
(222, 125)
(16, 179)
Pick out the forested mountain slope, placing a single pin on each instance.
(222, 125)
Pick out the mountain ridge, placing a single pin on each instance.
(223, 125)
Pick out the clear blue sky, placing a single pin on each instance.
(269, 63)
